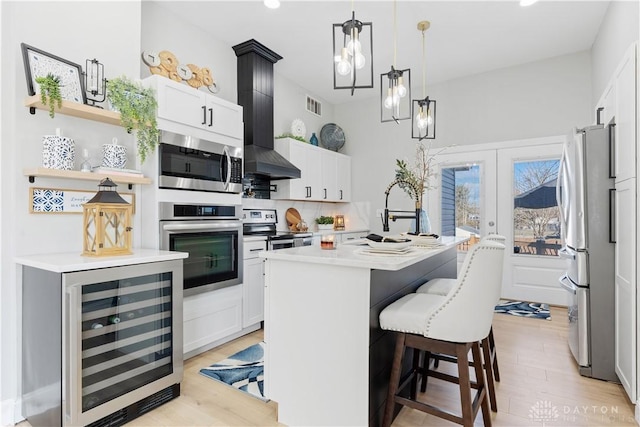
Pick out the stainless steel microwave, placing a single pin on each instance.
(189, 163)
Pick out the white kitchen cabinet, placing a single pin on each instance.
(625, 117)
(345, 237)
(343, 178)
(325, 175)
(625, 285)
(210, 317)
(183, 105)
(301, 155)
(253, 284)
(328, 176)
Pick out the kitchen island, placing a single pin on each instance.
(327, 362)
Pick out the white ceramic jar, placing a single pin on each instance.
(58, 152)
(114, 155)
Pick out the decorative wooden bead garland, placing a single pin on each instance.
(166, 64)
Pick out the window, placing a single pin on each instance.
(536, 223)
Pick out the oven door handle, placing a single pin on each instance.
(204, 226)
(227, 180)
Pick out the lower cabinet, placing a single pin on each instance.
(210, 317)
(253, 284)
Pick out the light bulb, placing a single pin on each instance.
(402, 90)
(388, 101)
(354, 46)
(395, 98)
(343, 67)
(421, 120)
(429, 118)
(360, 60)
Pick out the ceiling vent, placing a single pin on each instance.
(314, 106)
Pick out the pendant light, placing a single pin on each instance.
(395, 88)
(423, 110)
(353, 54)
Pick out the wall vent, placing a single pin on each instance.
(314, 106)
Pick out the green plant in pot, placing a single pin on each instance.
(324, 222)
(50, 92)
(137, 106)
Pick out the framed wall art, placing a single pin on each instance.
(38, 63)
(59, 200)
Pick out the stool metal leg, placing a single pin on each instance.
(396, 371)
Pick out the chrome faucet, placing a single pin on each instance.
(393, 214)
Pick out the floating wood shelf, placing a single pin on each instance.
(87, 176)
(75, 109)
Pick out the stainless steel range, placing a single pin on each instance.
(262, 222)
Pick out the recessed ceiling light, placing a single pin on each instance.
(272, 4)
(525, 3)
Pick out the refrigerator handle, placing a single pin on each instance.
(566, 284)
(564, 253)
(612, 215)
(612, 150)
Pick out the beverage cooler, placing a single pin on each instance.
(100, 347)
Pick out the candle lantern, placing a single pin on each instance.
(339, 222)
(107, 222)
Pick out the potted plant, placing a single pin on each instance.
(137, 106)
(50, 92)
(325, 222)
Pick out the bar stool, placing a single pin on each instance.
(450, 325)
(442, 286)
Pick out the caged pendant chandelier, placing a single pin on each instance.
(395, 88)
(353, 54)
(423, 110)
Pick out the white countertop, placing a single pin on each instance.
(73, 261)
(350, 255)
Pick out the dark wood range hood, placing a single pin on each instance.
(255, 95)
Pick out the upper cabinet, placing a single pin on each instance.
(618, 103)
(624, 85)
(190, 111)
(325, 175)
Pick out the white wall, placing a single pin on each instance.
(68, 30)
(538, 99)
(619, 29)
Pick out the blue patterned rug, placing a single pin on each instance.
(243, 370)
(524, 309)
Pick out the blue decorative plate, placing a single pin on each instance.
(332, 137)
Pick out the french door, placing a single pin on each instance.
(508, 191)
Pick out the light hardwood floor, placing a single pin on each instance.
(536, 367)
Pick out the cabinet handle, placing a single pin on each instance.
(210, 117)
(204, 115)
(308, 191)
(598, 111)
(612, 215)
(325, 193)
(612, 150)
(340, 194)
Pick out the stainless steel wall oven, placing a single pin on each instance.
(212, 235)
(189, 163)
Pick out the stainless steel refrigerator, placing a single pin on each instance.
(583, 194)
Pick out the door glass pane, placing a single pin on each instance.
(461, 203)
(536, 222)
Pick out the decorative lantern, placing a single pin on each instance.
(339, 222)
(107, 222)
